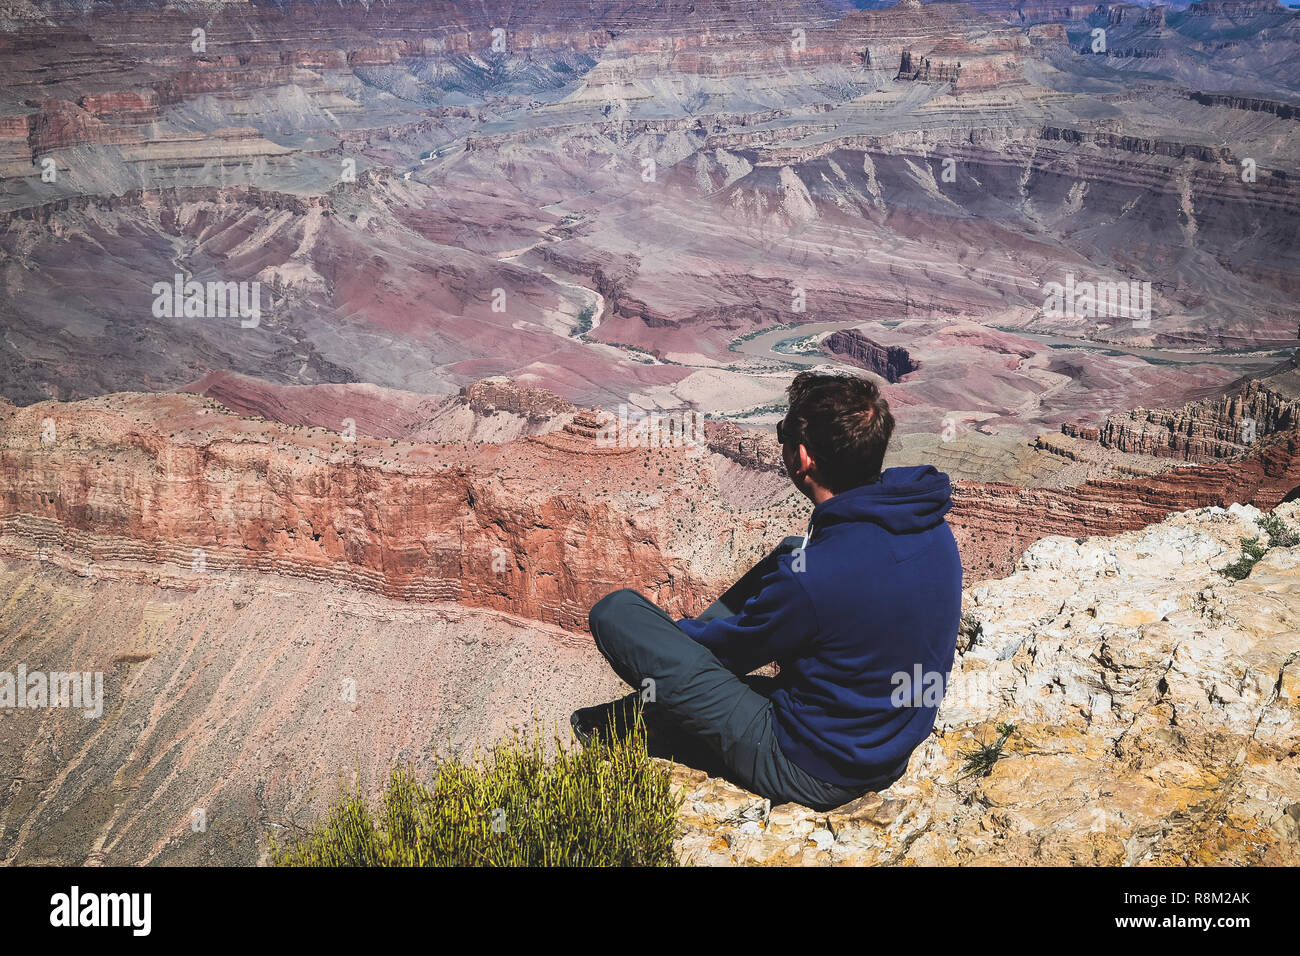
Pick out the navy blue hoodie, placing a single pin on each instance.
(863, 622)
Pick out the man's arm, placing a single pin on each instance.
(733, 601)
(774, 623)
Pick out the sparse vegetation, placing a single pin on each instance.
(805, 345)
(755, 333)
(1280, 535)
(584, 321)
(771, 408)
(979, 760)
(1251, 551)
(606, 804)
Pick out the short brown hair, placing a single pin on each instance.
(845, 424)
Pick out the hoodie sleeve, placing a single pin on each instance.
(773, 624)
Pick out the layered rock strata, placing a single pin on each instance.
(1211, 429)
(540, 527)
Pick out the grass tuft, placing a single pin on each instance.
(980, 759)
(606, 804)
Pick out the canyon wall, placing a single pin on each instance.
(540, 527)
(524, 527)
(1214, 428)
(995, 523)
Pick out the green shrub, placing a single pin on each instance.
(978, 761)
(1251, 551)
(602, 805)
(1280, 535)
(585, 317)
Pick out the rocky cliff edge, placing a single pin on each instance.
(1156, 707)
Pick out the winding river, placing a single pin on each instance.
(764, 346)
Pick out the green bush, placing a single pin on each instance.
(602, 805)
(1280, 534)
(1251, 551)
(583, 325)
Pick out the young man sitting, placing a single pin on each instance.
(860, 615)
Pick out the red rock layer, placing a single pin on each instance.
(534, 528)
(994, 523)
(541, 527)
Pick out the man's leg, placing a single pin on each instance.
(619, 713)
(698, 695)
(680, 678)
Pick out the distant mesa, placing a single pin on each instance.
(921, 69)
(1209, 430)
(890, 362)
(501, 394)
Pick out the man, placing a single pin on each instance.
(861, 616)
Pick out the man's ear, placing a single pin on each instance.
(806, 463)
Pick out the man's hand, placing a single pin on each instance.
(733, 600)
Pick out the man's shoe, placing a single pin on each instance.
(584, 723)
(613, 720)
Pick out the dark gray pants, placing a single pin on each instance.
(699, 696)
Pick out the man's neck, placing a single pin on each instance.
(818, 494)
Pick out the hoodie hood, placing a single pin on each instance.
(902, 501)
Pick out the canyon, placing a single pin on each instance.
(296, 604)
(403, 187)
(368, 529)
